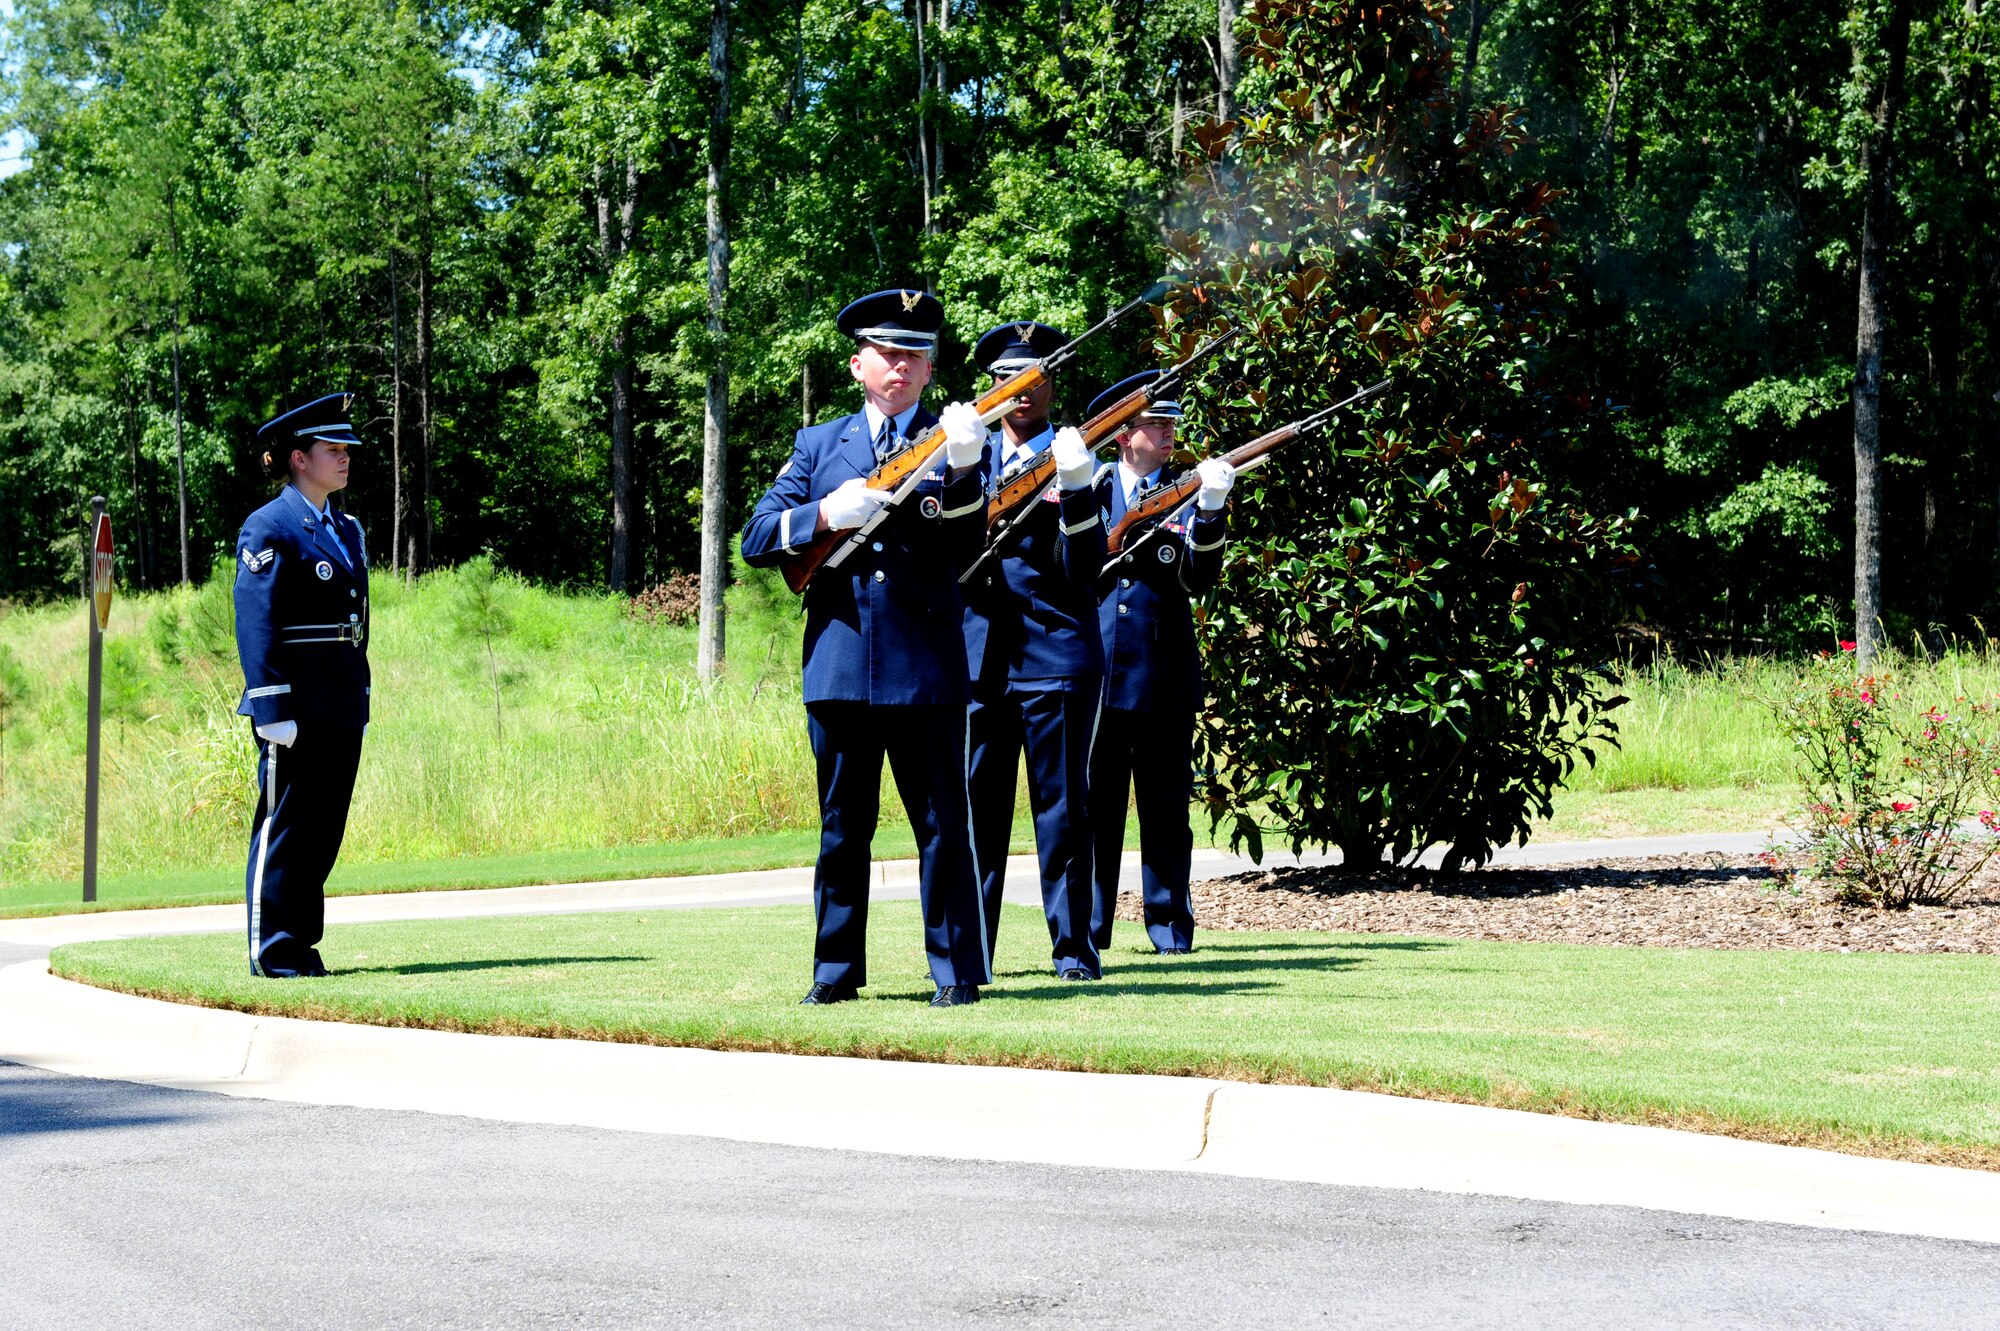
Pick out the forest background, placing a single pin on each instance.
(490, 221)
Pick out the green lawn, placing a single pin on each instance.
(1893, 1055)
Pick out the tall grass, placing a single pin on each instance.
(608, 739)
(1707, 725)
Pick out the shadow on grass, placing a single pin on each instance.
(1202, 949)
(1114, 987)
(485, 964)
(1496, 882)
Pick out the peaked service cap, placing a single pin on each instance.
(905, 319)
(1014, 347)
(1161, 409)
(323, 418)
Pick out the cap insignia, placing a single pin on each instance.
(910, 299)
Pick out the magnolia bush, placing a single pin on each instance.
(1412, 643)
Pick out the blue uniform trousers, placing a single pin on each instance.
(1053, 724)
(1151, 754)
(925, 746)
(302, 797)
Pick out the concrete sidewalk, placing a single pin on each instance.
(1105, 1120)
(895, 879)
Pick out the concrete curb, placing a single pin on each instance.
(1097, 1120)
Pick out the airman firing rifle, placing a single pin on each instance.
(904, 472)
(1144, 519)
(1013, 502)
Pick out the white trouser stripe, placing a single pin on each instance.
(263, 850)
(972, 839)
(1096, 719)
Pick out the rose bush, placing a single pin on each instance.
(1894, 786)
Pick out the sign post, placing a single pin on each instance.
(100, 615)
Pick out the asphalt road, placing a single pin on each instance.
(133, 1205)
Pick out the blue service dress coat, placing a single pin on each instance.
(1144, 614)
(301, 599)
(1153, 686)
(1031, 610)
(884, 675)
(885, 627)
(1037, 667)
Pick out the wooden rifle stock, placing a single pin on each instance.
(904, 470)
(1169, 498)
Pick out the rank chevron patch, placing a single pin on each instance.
(260, 561)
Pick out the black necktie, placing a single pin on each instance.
(885, 439)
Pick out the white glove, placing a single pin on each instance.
(964, 436)
(280, 733)
(1073, 461)
(1216, 478)
(851, 505)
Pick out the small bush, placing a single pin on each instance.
(198, 624)
(482, 608)
(675, 602)
(1890, 782)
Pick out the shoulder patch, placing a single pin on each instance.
(260, 560)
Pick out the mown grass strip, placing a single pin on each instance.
(1895, 1056)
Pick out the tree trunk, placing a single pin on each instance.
(1475, 26)
(944, 101)
(1877, 165)
(426, 434)
(923, 144)
(395, 414)
(1062, 42)
(715, 416)
(614, 237)
(1180, 115)
(1228, 63)
(138, 492)
(180, 444)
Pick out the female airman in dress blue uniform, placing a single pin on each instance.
(1153, 679)
(301, 633)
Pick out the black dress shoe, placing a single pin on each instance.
(313, 971)
(955, 995)
(1075, 973)
(1171, 951)
(822, 994)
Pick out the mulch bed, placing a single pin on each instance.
(1660, 901)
